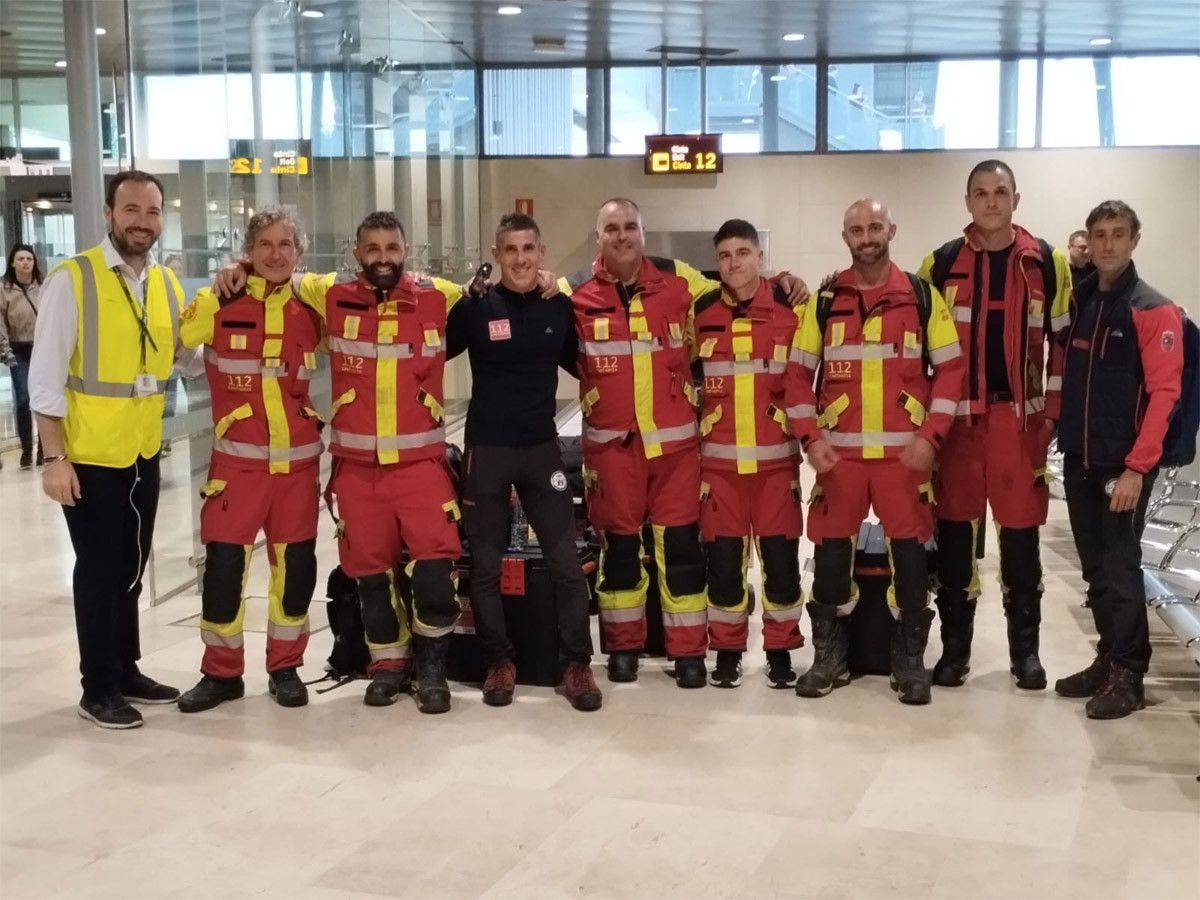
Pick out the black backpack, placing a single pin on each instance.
(945, 255)
(349, 657)
(1179, 444)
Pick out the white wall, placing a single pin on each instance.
(801, 200)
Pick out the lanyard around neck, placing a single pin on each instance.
(140, 314)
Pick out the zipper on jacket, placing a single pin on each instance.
(1104, 343)
(1087, 394)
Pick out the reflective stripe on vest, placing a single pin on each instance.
(261, 451)
(744, 367)
(804, 358)
(861, 351)
(657, 436)
(961, 314)
(622, 348)
(228, 366)
(762, 452)
(371, 349)
(940, 405)
(868, 438)
(392, 442)
(89, 383)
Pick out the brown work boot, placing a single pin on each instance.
(500, 682)
(580, 686)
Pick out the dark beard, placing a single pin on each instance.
(124, 248)
(383, 282)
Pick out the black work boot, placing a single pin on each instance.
(958, 630)
(910, 679)
(831, 644)
(1024, 614)
(1121, 694)
(780, 674)
(211, 691)
(433, 693)
(286, 687)
(386, 687)
(623, 665)
(1086, 682)
(690, 672)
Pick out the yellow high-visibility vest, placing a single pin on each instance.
(107, 423)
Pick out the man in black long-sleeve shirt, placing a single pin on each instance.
(517, 340)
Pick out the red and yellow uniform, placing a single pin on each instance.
(749, 464)
(640, 443)
(871, 352)
(387, 353)
(259, 354)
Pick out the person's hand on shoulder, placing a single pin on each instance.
(230, 280)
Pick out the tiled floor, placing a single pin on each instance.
(988, 792)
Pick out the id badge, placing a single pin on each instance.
(144, 385)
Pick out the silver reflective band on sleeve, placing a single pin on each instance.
(963, 408)
(1036, 405)
(663, 435)
(606, 348)
(1054, 383)
(868, 438)
(1035, 321)
(861, 351)
(944, 407)
(1058, 323)
(960, 313)
(804, 358)
(685, 619)
(369, 348)
(602, 435)
(353, 441)
(623, 614)
(764, 452)
(108, 388)
(945, 354)
(260, 451)
(801, 411)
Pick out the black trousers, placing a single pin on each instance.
(1110, 553)
(537, 474)
(111, 526)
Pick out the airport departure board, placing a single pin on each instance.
(684, 154)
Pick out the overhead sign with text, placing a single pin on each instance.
(684, 154)
(271, 157)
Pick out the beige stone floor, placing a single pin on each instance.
(988, 792)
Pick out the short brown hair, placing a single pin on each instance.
(380, 219)
(1115, 209)
(264, 219)
(1081, 233)
(515, 221)
(137, 176)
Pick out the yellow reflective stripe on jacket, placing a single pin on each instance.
(1060, 304)
(222, 424)
(743, 397)
(278, 432)
(346, 397)
(914, 407)
(312, 288)
(941, 336)
(588, 401)
(697, 283)
(829, 415)
(872, 386)
(643, 378)
(430, 402)
(707, 423)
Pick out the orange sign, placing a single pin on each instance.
(525, 206)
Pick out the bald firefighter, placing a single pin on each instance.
(640, 439)
(749, 462)
(259, 353)
(871, 429)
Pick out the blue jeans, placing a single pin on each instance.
(19, 372)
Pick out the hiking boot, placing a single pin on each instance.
(780, 674)
(910, 679)
(1086, 682)
(623, 665)
(27, 461)
(386, 687)
(690, 672)
(433, 693)
(580, 686)
(139, 688)
(1024, 614)
(286, 687)
(500, 682)
(957, 619)
(211, 691)
(110, 712)
(1121, 694)
(727, 673)
(831, 645)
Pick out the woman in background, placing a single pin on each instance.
(18, 314)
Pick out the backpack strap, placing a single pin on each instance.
(943, 260)
(924, 301)
(1049, 274)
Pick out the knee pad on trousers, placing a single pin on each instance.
(833, 571)
(433, 592)
(910, 575)
(781, 568)
(683, 557)
(726, 577)
(224, 575)
(622, 562)
(378, 614)
(1020, 560)
(955, 554)
(299, 577)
